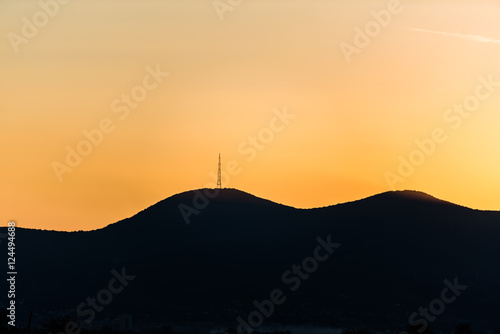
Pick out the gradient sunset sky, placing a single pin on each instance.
(229, 74)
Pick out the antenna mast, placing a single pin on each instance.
(219, 178)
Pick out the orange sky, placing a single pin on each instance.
(351, 115)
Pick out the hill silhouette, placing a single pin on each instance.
(396, 249)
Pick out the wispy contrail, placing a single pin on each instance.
(473, 38)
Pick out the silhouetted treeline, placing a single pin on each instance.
(59, 326)
(459, 329)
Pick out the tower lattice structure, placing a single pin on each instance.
(219, 176)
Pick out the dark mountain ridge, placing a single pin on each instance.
(396, 249)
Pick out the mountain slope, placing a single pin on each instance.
(396, 250)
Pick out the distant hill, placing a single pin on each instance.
(396, 249)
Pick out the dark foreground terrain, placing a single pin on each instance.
(383, 263)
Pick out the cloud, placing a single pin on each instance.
(473, 38)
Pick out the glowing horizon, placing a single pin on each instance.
(108, 108)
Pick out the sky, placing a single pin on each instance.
(108, 107)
